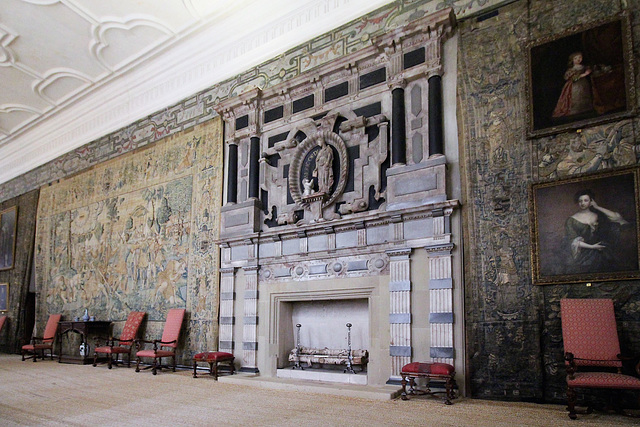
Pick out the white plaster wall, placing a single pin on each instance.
(454, 191)
(449, 99)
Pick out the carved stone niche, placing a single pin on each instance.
(313, 183)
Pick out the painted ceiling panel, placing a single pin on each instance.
(122, 44)
(20, 91)
(59, 42)
(171, 13)
(15, 116)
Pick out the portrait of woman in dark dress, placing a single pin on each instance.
(590, 234)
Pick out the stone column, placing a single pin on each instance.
(441, 302)
(399, 310)
(254, 168)
(436, 131)
(398, 126)
(232, 172)
(250, 328)
(227, 318)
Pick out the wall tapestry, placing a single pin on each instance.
(582, 77)
(8, 221)
(586, 228)
(136, 233)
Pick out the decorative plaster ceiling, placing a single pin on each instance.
(72, 71)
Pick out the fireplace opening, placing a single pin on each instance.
(318, 348)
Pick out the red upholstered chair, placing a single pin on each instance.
(166, 347)
(125, 341)
(591, 341)
(45, 342)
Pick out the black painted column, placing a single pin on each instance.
(436, 138)
(398, 128)
(254, 168)
(232, 173)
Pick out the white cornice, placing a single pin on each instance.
(207, 57)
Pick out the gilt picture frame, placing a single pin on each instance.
(581, 77)
(8, 222)
(585, 228)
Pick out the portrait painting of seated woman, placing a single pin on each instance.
(586, 228)
(590, 235)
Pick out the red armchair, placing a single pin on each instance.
(165, 347)
(43, 343)
(591, 341)
(125, 341)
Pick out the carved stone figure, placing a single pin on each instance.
(324, 168)
(308, 187)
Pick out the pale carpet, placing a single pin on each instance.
(52, 394)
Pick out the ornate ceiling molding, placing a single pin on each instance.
(195, 62)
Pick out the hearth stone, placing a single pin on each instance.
(325, 375)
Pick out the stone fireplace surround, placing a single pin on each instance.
(318, 331)
(382, 233)
(368, 272)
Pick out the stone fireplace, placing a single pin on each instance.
(337, 210)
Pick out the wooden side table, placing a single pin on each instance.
(84, 329)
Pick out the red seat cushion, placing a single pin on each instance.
(157, 353)
(213, 356)
(32, 347)
(111, 350)
(604, 380)
(428, 368)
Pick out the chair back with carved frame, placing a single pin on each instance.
(122, 344)
(165, 347)
(42, 343)
(590, 337)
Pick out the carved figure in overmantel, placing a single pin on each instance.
(308, 187)
(324, 168)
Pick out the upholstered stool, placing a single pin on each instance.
(213, 358)
(430, 371)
